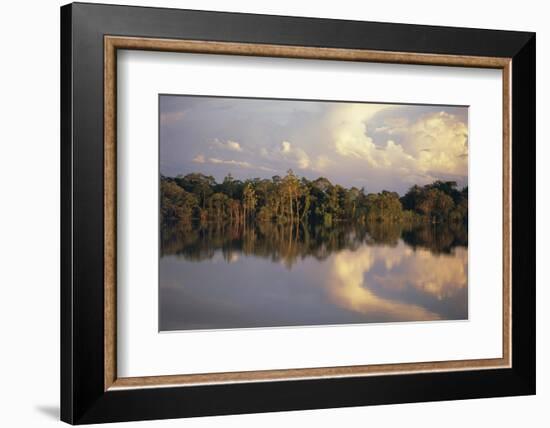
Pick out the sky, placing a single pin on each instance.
(367, 145)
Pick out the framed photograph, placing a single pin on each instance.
(265, 213)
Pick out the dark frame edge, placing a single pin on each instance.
(524, 214)
(66, 304)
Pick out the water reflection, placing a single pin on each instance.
(357, 276)
(224, 276)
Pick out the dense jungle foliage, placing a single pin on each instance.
(198, 198)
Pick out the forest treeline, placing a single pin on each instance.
(290, 199)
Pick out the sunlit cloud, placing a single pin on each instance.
(439, 143)
(285, 147)
(348, 124)
(286, 152)
(230, 162)
(295, 154)
(436, 143)
(229, 145)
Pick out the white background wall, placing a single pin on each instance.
(29, 213)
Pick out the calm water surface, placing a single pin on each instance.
(222, 276)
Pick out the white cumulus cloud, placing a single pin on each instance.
(349, 130)
(297, 155)
(285, 147)
(434, 144)
(231, 145)
(234, 145)
(230, 162)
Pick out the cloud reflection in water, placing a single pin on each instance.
(352, 281)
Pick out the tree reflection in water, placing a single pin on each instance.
(227, 276)
(289, 243)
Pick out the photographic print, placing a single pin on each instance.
(282, 212)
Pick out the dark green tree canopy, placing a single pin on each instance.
(290, 199)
